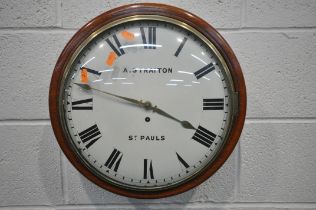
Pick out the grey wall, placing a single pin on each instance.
(274, 165)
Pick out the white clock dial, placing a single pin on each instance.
(147, 104)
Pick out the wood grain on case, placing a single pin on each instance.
(148, 9)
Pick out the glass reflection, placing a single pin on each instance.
(184, 72)
(206, 78)
(97, 80)
(140, 45)
(87, 61)
(118, 78)
(179, 40)
(217, 74)
(106, 70)
(199, 59)
(176, 80)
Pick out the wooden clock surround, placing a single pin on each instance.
(161, 10)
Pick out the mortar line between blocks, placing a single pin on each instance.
(64, 177)
(238, 168)
(204, 205)
(24, 122)
(38, 30)
(307, 205)
(28, 207)
(59, 13)
(243, 15)
(236, 30)
(280, 120)
(267, 30)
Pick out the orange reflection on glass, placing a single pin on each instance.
(128, 35)
(84, 75)
(111, 58)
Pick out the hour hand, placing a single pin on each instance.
(91, 71)
(184, 123)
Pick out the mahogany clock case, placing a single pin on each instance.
(159, 10)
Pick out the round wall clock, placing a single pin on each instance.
(147, 100)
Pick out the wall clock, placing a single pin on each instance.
(147, 100)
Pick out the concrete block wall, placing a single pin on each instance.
(272, 168)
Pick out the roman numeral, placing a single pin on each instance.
(203, 71)
(90, 135)
(204, 136)
(76, 104)
(91, 71)
(180, 47)
(148, 169)
(213, 104)
(114, 160)
(118, 51)
(151, 44)
(185, 164)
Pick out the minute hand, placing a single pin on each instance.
(88, 87)
(184, 123)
